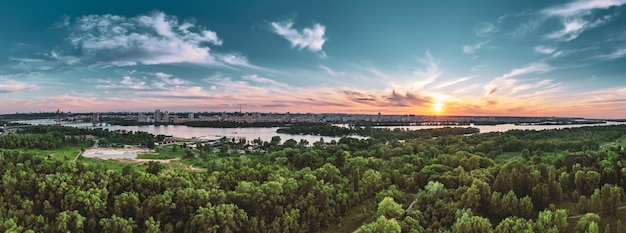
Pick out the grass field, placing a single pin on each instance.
(507, 156)
(618, 142)
(61, 154)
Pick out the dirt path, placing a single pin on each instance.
(134, 160)
(78, 155)
(195, 169)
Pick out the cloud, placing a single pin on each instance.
(526, 28)
(531, 68)
(226, 85)
(162, 75)
(581, 7)
(544, 49)
(9, 86)
(157, 82)
(429, 74)
(407, 100)
(31, 64)
(150, 39)
(619, 53)
(506, 81)
(234, 59)
(358, 95)
(264, 81)
(528, 86)
(486, 29)
(470, 49)
(572, 28)
(331, 72)
(167, 80)
(453, 82)
(127, 83)
(576, 17)
(312, 38)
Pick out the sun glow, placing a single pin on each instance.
(438, 107)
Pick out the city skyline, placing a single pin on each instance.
(530, 58)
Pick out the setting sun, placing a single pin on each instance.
(438, 107)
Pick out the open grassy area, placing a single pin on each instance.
(61, 154)
(164, 153)
(618, 142)
(105, 164)
(507, 156)
(621, 141)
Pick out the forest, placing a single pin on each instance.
(438, 180)
(324, 129)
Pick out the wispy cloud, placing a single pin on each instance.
(453, 82)
(572, 28)
(264, 81)
(613, 55)
(312, 38)
(527, 28)
(544, 49)
(331, 72)
(581, 7)
(506, 81)
(576, 17)
(486, 29)
(470, 49)
(127, 83)
(428, 74)
(11, 86)
(150, 39)
(153, 82)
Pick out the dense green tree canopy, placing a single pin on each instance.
(393, 181)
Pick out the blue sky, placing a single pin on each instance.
(521, 58)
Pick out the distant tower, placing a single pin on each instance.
(58, 117)
(166, 117)
(95, 118)
(157, 115)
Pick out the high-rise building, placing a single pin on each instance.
(191, 115)
(157, 115)
(166, 117)
(95, 118)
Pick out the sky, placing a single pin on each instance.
(478, 58)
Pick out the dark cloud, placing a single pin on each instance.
(406, 100)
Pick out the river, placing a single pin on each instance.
(266, 134)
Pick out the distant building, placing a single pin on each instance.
(157, 115)
(144, 118)
(95, 118)
(191, 116)
(166, 117)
